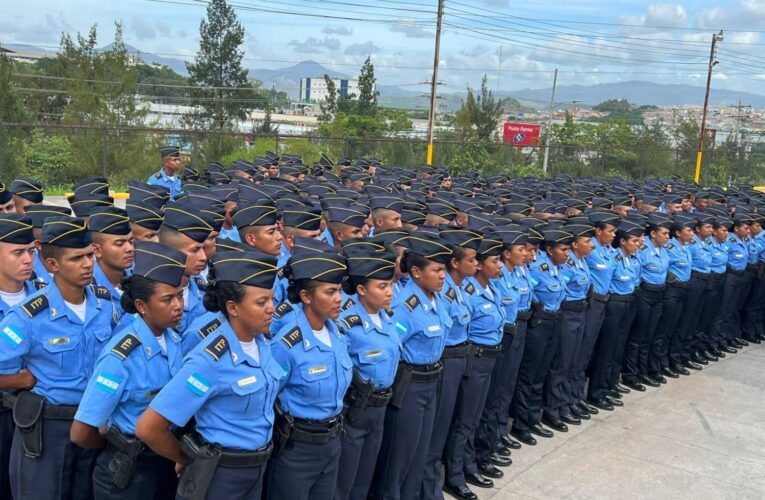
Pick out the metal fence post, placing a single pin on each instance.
(104, 152)
(2, 150)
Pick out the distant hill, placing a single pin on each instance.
(288, 79)
(640, 92)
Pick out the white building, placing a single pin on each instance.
(315, 88)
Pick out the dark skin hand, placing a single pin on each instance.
(23, 380)
(86, 436)
(154, 430)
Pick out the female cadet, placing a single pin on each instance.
(319, 371)
(228, 383)
(422, 319)
(542, 335)
(464, 244)
(130, 371)
(621, 290)
(727, 325)
(373, 345)
(712, 299)
(654, 262)
(487, 318)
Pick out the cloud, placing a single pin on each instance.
(410, 29)
(49, 29)
(361, 49)
(141, 29)
(496, 3)
(314, 45)
(337, 30)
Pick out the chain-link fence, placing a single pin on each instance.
(59, 154)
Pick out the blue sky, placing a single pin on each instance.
(589, 41)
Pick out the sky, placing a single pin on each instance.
(517, 44)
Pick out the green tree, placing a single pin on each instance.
(329, 106)
(266, 127)
(478, 117)
(367, 101)
(11, 111)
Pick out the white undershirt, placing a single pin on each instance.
(14, 298)
(78, 309)
(162, 341)
(251, 349)
(186, 296)
(376, 320)
(489, 292)
(118, 292)
(323, 336)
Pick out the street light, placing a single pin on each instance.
(712, 63)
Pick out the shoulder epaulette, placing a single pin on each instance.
(570, 262)
(158, 176)
(283, 309)
(102, 292)
(125, 346)
(619, 258)
(201, 283)
(217, 348)
(693, 242)
(670, 246)
(470, 289)
(544, 267)
(352, 320)
(280, 273)
(412, 302)
(39, 284)
(642, 246)
(293, 337)
(36, 305)
(209, 328)
(348, 304)
(451, 294)
(732, 239)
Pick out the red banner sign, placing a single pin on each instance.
(521, 134)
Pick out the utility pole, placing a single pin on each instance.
(712, 63)
(549, 122)
(499, 69)
(434, 83)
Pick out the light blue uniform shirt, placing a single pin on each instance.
(13, 366)
(754, 251)
(601, 264)
(654, 263)
(701, 255)
(200, 329)
(421, 324)
(679, 260)
(576, 276)
(41, 273)
(759, 241)
(230, 394)
(487, 316)
(738, 253)
(459, 311)
(375, 351)
(525, 287)
(162, 179)
(100, 279)
(719, 255)
(626, 274)
(230, 234)
(509, 294)
(549, 289)
(129, 372)
(317, 374)
(52, 342)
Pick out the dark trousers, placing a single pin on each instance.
(726, 326)
(235, 483)
(454, 369)
(541, 344)
(504, 377)
(606, 353)
(752, 314)
(658, 357)
(6, 441)
(557, 389)
(405, 444)
(64, 471)
(648, 310)
(460, 449)
(680, 341)
(593, 323)
(304, 471)
(154, 478)
(618, 361)
(691, 318)
(710, 310)
(360, 442)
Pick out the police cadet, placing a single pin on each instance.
(374, 347)
(167, 175)
(485, 330)
(26, 192)
(135, 364)
(17, 253)
(56, 333)
(257, 224)
(557, 400)
(464, 244)
(315, 356)
(144, 210)
(752, 321)
(606, 362)
(298, 222)
(228, 383)
(654, 263)
(713, 300)
(728, 323)
(421, 317)
(113, 246)
(541, 336)
(37, 214)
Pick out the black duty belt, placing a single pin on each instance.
(574, 305)
(380, 398)
(542, 314)
(229, 457)
(485, 351)
(60, 412)
(615, 297)
(600, 297)
(699, 275)
(716, 276)
(455, 351)
(8, 400)
(423, 373)
(752, 268)
(316, 431)
(735, 272)
(679, 284)
(652, 288)
(524, 315)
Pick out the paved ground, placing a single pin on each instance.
(698, 437)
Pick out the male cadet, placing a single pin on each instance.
(144, 210)
(7, 206)
(37, 214)
(17, 253)
(56, 333)
(386, 212)
(171, 164)
(345, 222)
(25, 192)
(185, 228)
(113, 246)
(258, 228)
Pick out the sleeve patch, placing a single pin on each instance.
(126, 346)
(293, 337)
(544, 267)
(412, 302)
(12, 335)
(36, 305)
(348, 304)
(108, 383)
(352, 320)
(197, 384)
(209, 328)
(283, 309)
(217, 348)
(402, 327)
(570, 262)
(102, 292)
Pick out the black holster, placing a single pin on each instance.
(124, 453)
(400, 385)
(283, 424)
(197, 476)
(27, 415)
(357, 396)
